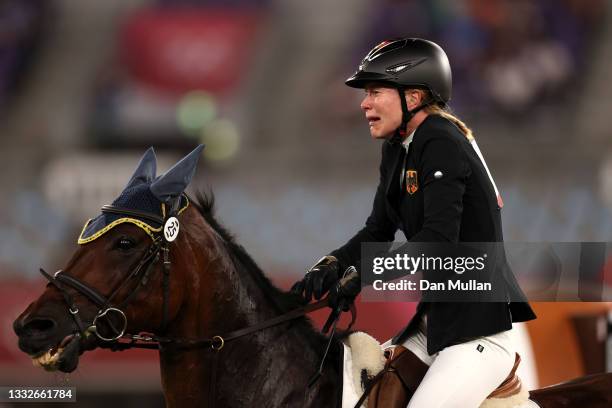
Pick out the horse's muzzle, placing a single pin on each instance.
(36, 334)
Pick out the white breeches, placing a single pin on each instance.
(463, 375)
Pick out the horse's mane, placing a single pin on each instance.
(283, 301)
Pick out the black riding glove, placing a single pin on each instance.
(344, 292)
(319, 279)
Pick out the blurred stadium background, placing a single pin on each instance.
(86, 86)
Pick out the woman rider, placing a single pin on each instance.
(436, 187)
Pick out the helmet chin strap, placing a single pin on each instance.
(407, 115)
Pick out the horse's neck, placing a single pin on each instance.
(268, 368)
(263, 370)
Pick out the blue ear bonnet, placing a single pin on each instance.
(137, 198)
(160, 196)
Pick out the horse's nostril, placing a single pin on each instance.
(39, 326)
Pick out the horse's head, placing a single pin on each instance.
(118, 279)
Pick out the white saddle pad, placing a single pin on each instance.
(361, 352)
(520, 400)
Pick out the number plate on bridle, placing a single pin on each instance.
(171, 229)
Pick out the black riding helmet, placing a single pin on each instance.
(407, 63)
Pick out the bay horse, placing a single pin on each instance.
(180, 278)
(214, 287)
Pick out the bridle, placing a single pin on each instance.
(160, 249)
(106, 308)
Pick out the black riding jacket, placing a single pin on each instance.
(459, 204)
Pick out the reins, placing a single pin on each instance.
(217, 342)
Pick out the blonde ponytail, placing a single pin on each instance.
(435, 109)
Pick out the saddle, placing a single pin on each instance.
(396, 383)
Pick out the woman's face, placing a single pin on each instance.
(382, 109)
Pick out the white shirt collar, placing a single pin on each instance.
(408, 140)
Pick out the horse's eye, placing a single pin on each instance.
(125, 243)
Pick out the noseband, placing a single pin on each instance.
(142, 271)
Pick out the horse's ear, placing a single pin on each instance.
(146, 169)
(172, 183)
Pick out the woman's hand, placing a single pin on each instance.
(319, 279)
(344, 292)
